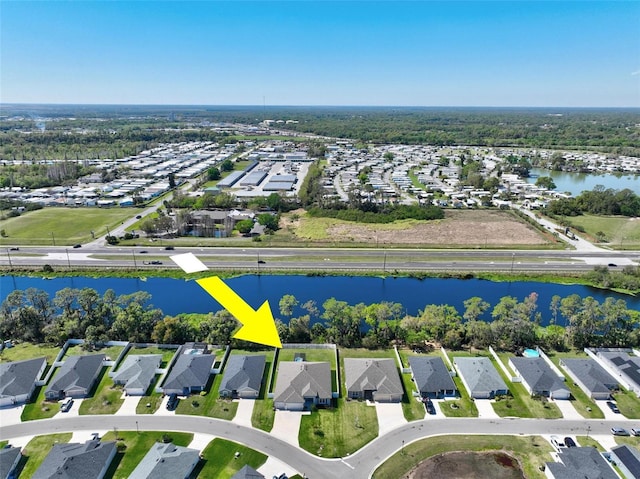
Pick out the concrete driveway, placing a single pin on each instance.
(11, 414)
(606, 441)
(243, 414)
(567, 409)
(390, 416)
(200, 441)
(608, 413)
(162, 410)
(129, 405)
(485, 408)
(286, 426)
(274, 467)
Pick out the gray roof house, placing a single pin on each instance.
(302, 384)
(76, 377)
(190, 373)
(538, 378)
(137, 373)
(77, 461)
(628, 460)
(431, 377)
(243, 376)
(9, 459)
(592, 378)
(247, 472)
(580, 463)
(166, 461)
(18, 380)
(373, 379)
(626, 366)
(480, 377)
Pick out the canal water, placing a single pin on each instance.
(175, 296)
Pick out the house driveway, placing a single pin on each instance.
(11, 414)
(243, 414)
(162, 410)
(390, 416)
(273, 468)
(286, 426)
(200, 441)
(567, 409)
(129, 405)
(608, 413)
(485, 408)
(606, 441)
(74, 411)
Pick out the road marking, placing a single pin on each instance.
(349, 465)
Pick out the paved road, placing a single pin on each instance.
(357, 466)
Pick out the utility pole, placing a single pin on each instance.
(53, 238)
(9, 256)
(68, 262)
(135, 265)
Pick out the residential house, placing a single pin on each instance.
(243, 377)
(480, 377)
(592, 378)
(9, 460)
(628, 460)
(18, 380)
(87, 461)
(431, 377)
(191, 370)
(373, 379)
(538, 378)
(580, 462)
(137, 373)
(166, 461)
(76, 377)
(248, 472)
(626, 367)
(302, 384)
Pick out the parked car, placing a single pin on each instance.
(613, 407)
(557, 442)
(569, 442)
(172, 403)
(618, 431)
(428, 404)
(66, 406)
(635, 432)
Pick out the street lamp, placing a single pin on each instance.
(68, 262)
(135, 265)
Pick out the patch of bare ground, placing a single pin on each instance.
(468, 465)
(458, 228)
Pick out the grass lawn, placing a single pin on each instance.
(313, 355)
(219, 459)
(106, 399)
(412, 409)
(521, 404)
(167, 354)
(23, 351)
(109, 351)
(37, 449)
(628, 403)
(211, 404)
(136, 446)
(532, 452)
(263, 413)
(336, 432)
(579, 399)
(366, 353)
(40, 408)
(585, 441)
(621, 232)
(66, 225)
(461, 407)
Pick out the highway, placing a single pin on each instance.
(357, 466)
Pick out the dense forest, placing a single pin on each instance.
(572, 321)
(599, 201)
(48, 131)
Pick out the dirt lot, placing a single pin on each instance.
(458, 228)
(468, 465)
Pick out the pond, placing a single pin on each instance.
(175, 296)
(576, 183)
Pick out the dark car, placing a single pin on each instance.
(172, 403)
(155, 262)
(612, 265)
(169, 248)
(260, 261)
(77, 245)
(613, 407)
(15, 248)
(138, 217)
(144, 251)
(428, 404)
(569, 442)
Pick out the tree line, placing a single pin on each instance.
(599, 201)
(573, 321)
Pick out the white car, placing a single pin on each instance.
(557, 442)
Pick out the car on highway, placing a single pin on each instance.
(138, 217)
(261, 261)
(618, 431)
(169, 248)
(15, 248)
(78, 245)
(613, 407)
(612, 265)
(569, 442)
(66, 406)
(155, 261)
(144, 251)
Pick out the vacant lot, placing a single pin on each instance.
(620, 232)
(469, 465)
(65, 226)
(488, 228)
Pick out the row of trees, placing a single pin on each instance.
(572, 321)
(599, 201)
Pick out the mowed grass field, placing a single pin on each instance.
(621, 232)
(68, 225)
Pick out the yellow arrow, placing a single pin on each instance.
(257, 326)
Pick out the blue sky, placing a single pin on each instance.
(420, 53)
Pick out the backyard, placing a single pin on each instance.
(219, 459)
